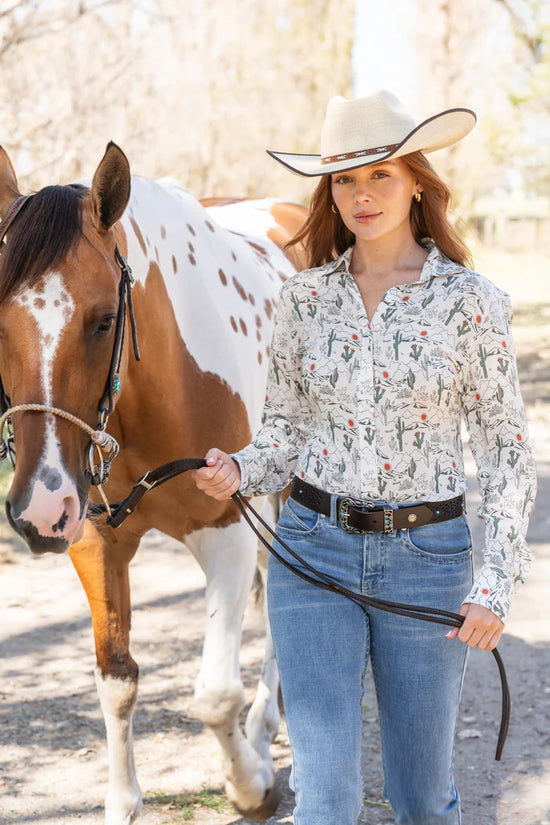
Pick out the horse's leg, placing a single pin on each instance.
(228, 558)
(103, 570)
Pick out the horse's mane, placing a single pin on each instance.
(41, 236)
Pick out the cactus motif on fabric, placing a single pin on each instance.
(345, 392)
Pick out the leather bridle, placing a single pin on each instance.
(103, 447)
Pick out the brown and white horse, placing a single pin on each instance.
(204, 302)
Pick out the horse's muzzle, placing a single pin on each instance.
(38, 544)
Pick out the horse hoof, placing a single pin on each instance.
(267, 808)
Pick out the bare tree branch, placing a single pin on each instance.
(5, 11)
(521, 30)
(24, 33)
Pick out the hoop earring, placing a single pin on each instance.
(418, 196)
(334, 209)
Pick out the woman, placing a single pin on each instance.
(380, 350)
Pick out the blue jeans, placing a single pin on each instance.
(323, 642)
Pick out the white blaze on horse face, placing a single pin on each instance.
(53, 506)
(52, 307)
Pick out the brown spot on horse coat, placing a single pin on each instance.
(260, 249)
(223, 277)
(240, 289)
(138, 235)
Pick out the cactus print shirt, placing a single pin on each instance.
(374, 410)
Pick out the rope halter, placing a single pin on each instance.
(104, 445)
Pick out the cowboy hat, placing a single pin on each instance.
(371, 129)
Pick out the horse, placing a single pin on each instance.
(206, 278)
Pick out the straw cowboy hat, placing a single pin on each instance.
(371, 129)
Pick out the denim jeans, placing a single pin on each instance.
(323, 643)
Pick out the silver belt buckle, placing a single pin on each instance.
(343, 513)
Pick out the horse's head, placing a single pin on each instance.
(59, 297)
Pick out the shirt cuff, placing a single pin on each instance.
(240, 463)
(492, 589)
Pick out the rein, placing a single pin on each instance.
(154, 478)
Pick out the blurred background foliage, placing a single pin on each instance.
(197, 89)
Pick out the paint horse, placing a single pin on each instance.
(204, 302)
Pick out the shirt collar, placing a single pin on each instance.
(436, 264)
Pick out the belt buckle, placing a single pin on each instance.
(343, 513)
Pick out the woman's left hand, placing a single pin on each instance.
(482, 628)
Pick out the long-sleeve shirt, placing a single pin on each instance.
(373, 409)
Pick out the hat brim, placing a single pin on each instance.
(436, 132)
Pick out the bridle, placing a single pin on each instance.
(119, 511)
(103, 447)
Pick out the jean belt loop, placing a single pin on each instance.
(333, 511)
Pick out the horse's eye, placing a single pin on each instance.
(105, 325)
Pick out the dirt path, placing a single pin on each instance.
(52, 752)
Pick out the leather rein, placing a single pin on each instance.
(154, 478)
(117, 512)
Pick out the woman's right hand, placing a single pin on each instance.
(220, 478)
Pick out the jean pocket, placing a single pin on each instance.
(298, 521)
(446, 542)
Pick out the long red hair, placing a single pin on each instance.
(325, 236)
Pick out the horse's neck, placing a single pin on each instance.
(204, 301)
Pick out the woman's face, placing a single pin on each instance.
(375, 201)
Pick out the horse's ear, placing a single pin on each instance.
(9, 190)
(110, 187)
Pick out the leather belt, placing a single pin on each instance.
(356, 516)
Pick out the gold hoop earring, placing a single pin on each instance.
(418, 196)
(334, 209)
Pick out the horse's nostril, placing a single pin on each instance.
(60, 525)
(9, 515)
